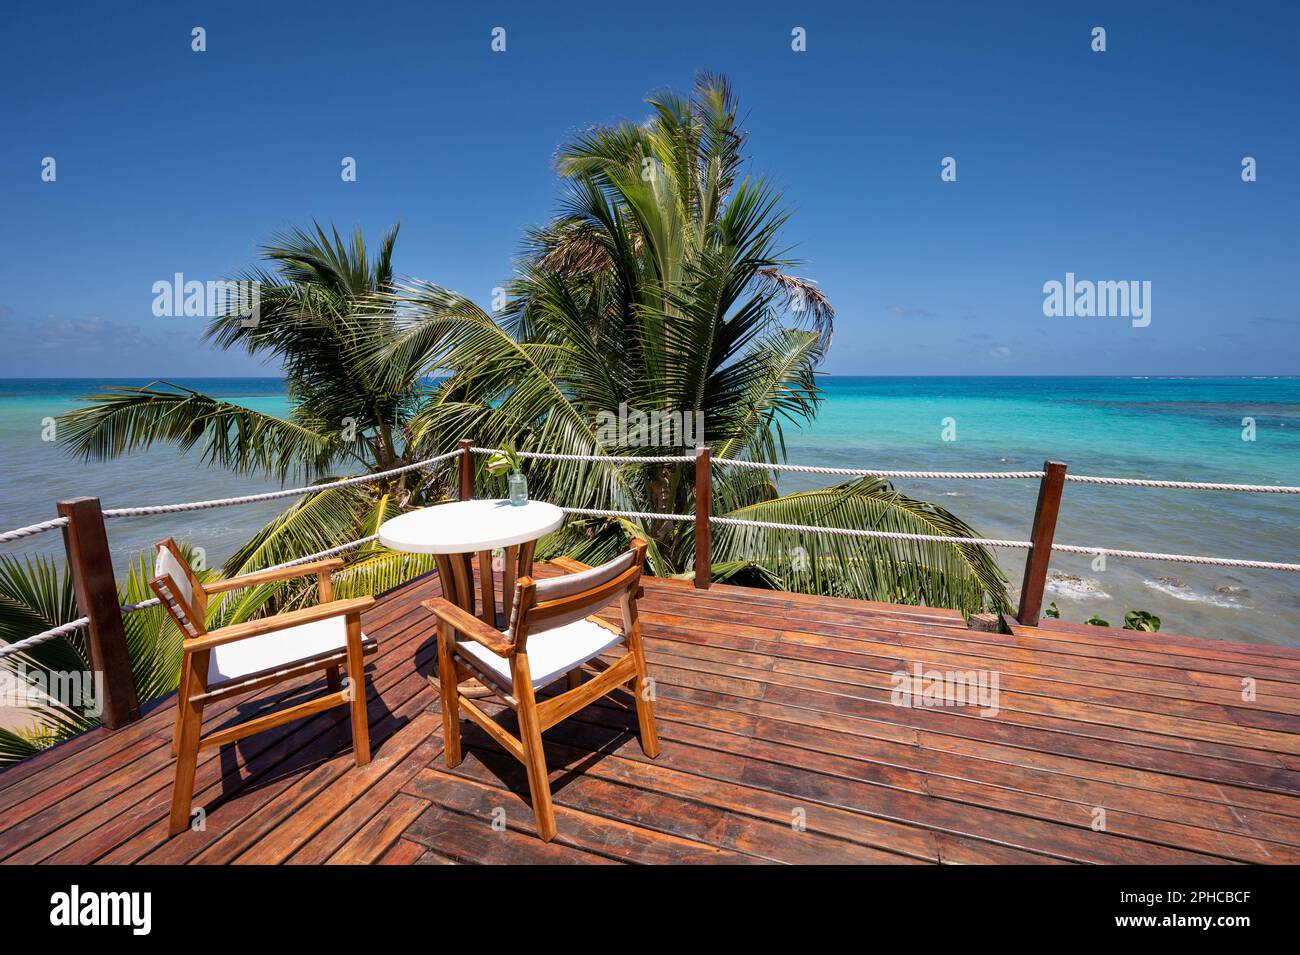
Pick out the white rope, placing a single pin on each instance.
(607, 458)
(1175, 558)
(1184, 485)
(1014, 475)
(18, 533)
(1023, 545)
(325, 553)
(44, 636)
(862, 472)
(272, 495)
(142, 605)
(638, 515)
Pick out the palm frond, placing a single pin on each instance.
(36, 595)
(119, 420)
(959, 576)
(806, 301)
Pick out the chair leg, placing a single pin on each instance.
(357, 677)
(182, 694)
(187, 757)
(333, 680)
(574, 678)
(530, 734)
(449, 694)
(645, 712)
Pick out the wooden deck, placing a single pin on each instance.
(774, 712)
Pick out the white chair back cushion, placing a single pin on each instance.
(176, 581)
(554, 588)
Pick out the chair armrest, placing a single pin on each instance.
(256, 628)
(268, 576)
(474, 628)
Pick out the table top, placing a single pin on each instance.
(466, 527)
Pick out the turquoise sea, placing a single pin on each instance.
(1171, 428)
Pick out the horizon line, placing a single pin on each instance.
(822, 374)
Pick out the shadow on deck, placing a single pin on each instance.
(780, 744)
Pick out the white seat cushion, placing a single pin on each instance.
(277, 650)
(551, 653)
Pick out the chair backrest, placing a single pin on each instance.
(178, 588)
(542, 605)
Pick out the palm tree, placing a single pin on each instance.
(317, 317)
(662, 287)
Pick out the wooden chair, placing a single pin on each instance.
(552, 634)
(256, 654)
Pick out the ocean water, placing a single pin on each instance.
(1170, 428)
(1184, 429)
(36, 472)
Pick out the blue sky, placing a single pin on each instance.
(1123, 165)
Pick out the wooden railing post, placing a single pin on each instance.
(466, 469)
(703, 510)
(1040, 554)
(91, 567)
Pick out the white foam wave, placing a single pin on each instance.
(1188, 594)
(1075, 588)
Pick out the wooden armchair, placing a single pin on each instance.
(256, 654)
(552, 634)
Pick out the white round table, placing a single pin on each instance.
(455, 532)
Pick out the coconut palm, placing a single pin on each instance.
(318, 320)
(662, 287)
(316, 317)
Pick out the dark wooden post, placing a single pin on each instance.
(466, 469)
(1040, 554)
(703, 509)
(91, 567)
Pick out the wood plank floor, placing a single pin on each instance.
(780, 743)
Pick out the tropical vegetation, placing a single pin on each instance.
(36, 595)
(662, 286)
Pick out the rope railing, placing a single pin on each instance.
(607, 458)
(1184, 485)
(341, 549)
(638, 515)
(1039, 546)
(142, 605)
(31, 530)
(867, 472)
(1175, 558)
(1010, 476)
(273, 495)
(1015, 544)
(18, 646)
